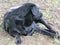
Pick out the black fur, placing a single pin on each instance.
(23, 21)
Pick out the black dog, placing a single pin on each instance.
(22, 20)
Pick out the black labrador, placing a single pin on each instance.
(22, 20)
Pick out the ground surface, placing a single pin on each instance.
(51, 13)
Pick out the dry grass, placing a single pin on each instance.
(51, 12)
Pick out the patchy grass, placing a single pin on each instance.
(1, 5)
(36, 40)
(47, 13)
(55, 41)
(52, 3)
(11, 1)
(35, 43)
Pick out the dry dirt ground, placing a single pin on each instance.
(51, 13)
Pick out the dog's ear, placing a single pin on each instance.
(36, 12)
